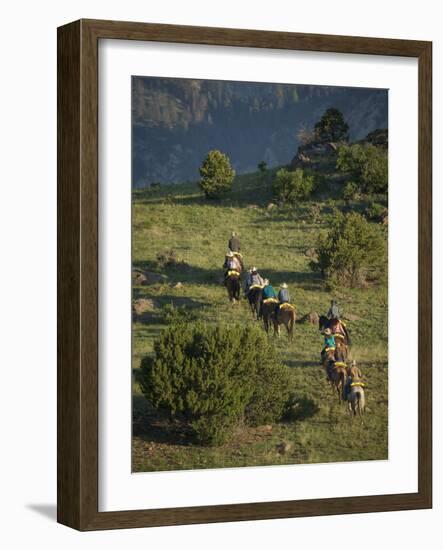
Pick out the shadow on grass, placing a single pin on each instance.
(155, 426)
(183, 272)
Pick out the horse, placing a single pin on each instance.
(336, 372)
(268, 313)
(232, 283)
(356, 394)
(341, 348)
(254, 299)
(284, 316)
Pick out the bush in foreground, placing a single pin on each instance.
(216, 174)
(292, 186)
(353, 252)
(213, 377)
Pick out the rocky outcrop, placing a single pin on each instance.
(141, 278)
(308, 153)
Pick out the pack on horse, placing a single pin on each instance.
(335, 372)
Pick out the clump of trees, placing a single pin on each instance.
(353, 252)
(216, 174)
(367, 165)
(291, 187)
(214, 377)
(331, 127)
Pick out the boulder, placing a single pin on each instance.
(312, 318)
(271, 205)
(142, 305)
(146, 278)
(178, 285)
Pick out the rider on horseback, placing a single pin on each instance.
(329, 342)
(267, 293)
(283, 297)
(234, 243)
(335, 323)
(232, 263)
(253, 278)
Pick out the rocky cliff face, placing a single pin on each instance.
(177, 121)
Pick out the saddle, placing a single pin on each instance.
(233, 273)
(357, 385)
(270, 301)
(255, 286)
(286, 305)
(339, 336)
(338, 364)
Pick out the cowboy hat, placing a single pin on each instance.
(328, 331)
(284, 285)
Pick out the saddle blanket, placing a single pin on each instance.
(287, 306)
(255, 286)
(270, 301)
(234, 273)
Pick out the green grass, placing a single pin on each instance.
(275, 240)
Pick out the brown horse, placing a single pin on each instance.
(285, 316)
(356, 393)
(268, 314)
(232, 283)
(336, 373)
(341, 348)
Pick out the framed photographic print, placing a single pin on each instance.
(244, 275)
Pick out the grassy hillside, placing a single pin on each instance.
(276, 241)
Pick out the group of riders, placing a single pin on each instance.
(234, 265)
(336, 336)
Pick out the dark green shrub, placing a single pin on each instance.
(262, 166)
(375, 212)
(332, 126)
(353, 252)
(292, 186)
(367, 165)
(216, 174)
(213, 377)
(350, 191)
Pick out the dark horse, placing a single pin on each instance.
(254, 299)
(232, 283)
